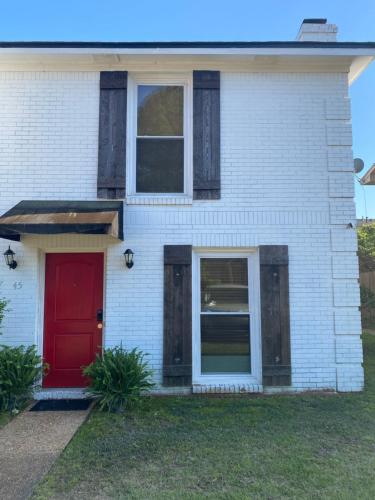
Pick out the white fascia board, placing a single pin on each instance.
(254, 51)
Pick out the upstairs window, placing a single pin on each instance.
(160, 146)
(160, 139)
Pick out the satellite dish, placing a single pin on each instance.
(358, 165)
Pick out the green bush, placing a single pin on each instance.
(366, 240)
(3, 305)
(367, 307)
(20, 370)
(118, 378)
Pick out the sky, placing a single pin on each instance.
(188, 20)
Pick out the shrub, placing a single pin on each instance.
(118, 378)
(367, 307)
(20, 370)
(3, 304)
(366, 240)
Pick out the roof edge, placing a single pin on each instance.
(182, 45)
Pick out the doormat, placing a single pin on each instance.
(61, 405)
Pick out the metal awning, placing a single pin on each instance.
(59, 217)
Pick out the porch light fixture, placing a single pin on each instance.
(9, 258)
(128, 255)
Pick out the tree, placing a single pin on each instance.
(366, 241)
(366, 252)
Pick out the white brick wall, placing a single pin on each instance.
(342, 211)
(345, 265)
(338, 108)
(341, 185)
(340, 159)
(343, 240)
(349, 349)
(347, 322)
(286, 179)
(339, 133)
(346, 293)
(48, 136)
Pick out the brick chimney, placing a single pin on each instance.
(317, 30)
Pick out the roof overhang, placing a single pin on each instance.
(351, 57)
(62, 217)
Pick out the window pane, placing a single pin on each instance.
(160, 166)
(224, 285)
(225, 343)
(160, 110)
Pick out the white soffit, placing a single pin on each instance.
(331, 59)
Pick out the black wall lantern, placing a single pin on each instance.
(9, 259)
(128, 254)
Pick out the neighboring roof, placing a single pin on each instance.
(185, 45)
(369, 178)
(363, 221)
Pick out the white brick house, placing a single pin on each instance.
(231, 166)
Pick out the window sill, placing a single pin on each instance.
(158, 200)
(225, 379)
(227, 388)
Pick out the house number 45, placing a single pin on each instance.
(17, 285)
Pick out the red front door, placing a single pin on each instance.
(73, 302)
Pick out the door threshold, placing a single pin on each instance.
(61, 393)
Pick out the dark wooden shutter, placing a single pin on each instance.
(112, 134)
(177, 315)
(206, 135)
(274, 291)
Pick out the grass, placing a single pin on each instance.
(304, 446)
(4, 418)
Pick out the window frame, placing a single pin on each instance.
(255, 375)
(168, 79)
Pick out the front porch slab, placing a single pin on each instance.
(71, 393)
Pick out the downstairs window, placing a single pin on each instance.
(224, 315)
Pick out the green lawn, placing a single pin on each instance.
(4, 418)
(307, 446)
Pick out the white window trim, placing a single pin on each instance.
(255, 377)
(182, 79)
